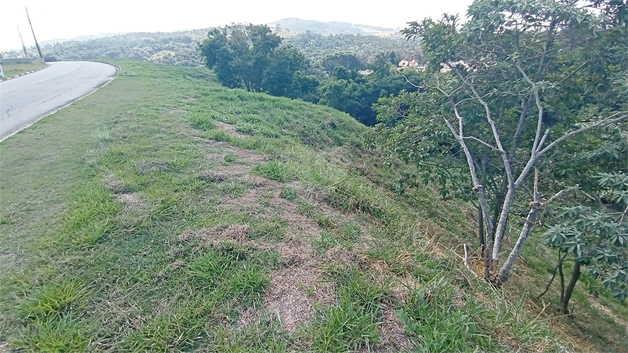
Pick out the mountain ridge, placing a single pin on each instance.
(298, 25)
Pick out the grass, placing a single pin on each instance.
(145, 225)
(11, 70)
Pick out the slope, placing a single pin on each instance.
(166, 213)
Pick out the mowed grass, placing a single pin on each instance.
(11, 70)
(164, 213)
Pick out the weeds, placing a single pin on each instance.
(353, 324)
(288, 193)
(202, 121)
(276, 170)
(235, 188)
(230, 158)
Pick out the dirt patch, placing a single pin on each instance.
(393, 334)
(255, 180)
(153, 166)
(177, 264)
(403, 286)
(177, 112)
(342, 256)
(249, 316)
(250, 199)
(7, 261)
(244, 160)
(115, 185)
(295, 288)
(230, 129)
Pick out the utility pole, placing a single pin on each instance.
(22, 40)
(32, 30)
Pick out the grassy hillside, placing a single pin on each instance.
(165, 213)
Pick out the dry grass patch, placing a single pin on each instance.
(130, 201)
(217, 235)
(293, 292)
(230, 129)
(394, 338)
(116, 185)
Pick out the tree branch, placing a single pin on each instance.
(607, 121)
(489, 118)
(623, 215)
(537, 99)
(482, 142)
(560, 261)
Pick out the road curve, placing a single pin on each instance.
(27, 99)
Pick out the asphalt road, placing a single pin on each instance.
(27, 99)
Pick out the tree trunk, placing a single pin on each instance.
(562, 281)
(535, 206)
(500, 230)
(481, 230)
(514, 254)
(574, 279)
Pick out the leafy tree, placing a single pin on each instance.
(283, 64)
(355, 93)
(501, 92)
(305, 86)
(346, 60)
(240, 54)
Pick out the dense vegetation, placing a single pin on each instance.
(317, 47)
(250, 57)
(177, 48)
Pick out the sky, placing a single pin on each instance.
(65, 19)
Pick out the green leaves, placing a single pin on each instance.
(239, 54)
(598, 236)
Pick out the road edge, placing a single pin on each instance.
(106, 82)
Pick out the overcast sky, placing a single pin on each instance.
(71, 18)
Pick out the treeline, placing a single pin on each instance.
(175, 48)
(253, 57)
(317, 46)
(181, 48)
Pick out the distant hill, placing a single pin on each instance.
(298, 25)
(79, 38)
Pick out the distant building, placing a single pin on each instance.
(409, 63)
